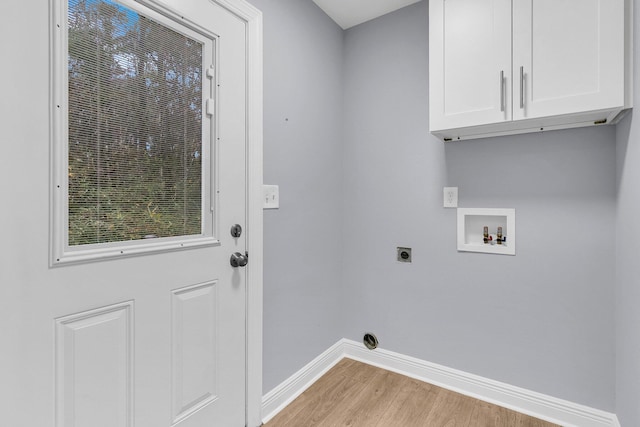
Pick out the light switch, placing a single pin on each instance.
(271, 197)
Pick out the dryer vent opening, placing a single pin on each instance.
(370, 341)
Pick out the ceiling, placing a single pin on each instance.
(348, 13)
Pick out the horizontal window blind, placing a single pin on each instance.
(135, 126)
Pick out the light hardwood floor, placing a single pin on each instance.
(356, 394)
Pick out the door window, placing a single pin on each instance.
(133, 144)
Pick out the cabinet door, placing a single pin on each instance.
(470, 62)
(568, 56)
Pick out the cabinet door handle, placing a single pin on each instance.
(521, 87)
(502, 90)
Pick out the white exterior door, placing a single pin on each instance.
(154, 337)
(470, 62)
(568, 56)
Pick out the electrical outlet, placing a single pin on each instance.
(450, 197)
(404, 254)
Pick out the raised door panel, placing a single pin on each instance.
(568, 56)
(94, 368)
(194, 342)
(470, 62)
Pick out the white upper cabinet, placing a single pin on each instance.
(500, 67)
(470, 66)
(571, 53)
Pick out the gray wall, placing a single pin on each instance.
(542, 320)
(303, 84)
(355, 157)
(628, 267)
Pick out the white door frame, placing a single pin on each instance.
(253, 19)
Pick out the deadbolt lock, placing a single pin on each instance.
(236, 230)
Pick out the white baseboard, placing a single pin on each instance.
(538, 405)
(275, 400)
(616, 422)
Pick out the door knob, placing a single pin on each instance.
(239, 260)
